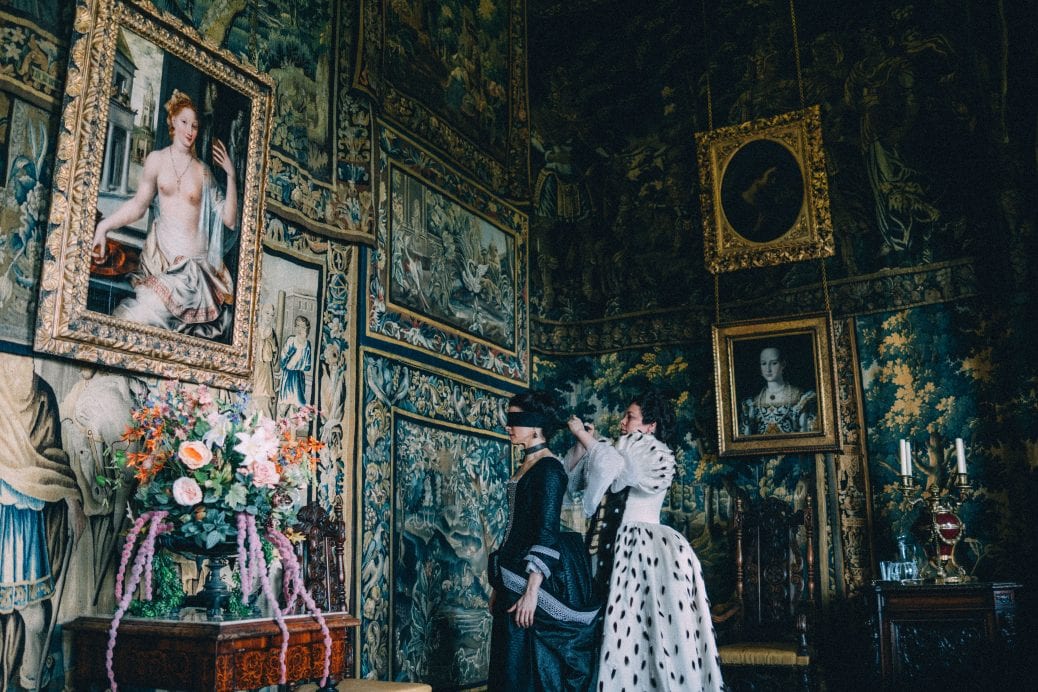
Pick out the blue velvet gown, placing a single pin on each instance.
(559, 651)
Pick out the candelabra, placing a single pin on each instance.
(939, 526)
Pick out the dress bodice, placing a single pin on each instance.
(644, 506)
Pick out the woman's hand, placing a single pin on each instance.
(526, 605)
(584, 432)
(222, 159)
(99, 250)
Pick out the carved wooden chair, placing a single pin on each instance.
(321, 554)
(323, 561)
(767, 647)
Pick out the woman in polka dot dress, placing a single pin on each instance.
(657, 632)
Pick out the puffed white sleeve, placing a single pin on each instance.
(648, 464)
(594, 472)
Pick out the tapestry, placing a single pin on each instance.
(449, 273)
(307, 276)
(435, 461)
(449, 264)
(933, 376)
(454, 74)
(25, 157)
(615, 184)
(447, 517)
(33, 63)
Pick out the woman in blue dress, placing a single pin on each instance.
(544, 613)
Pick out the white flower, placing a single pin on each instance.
(186, 491)
(219, 426)
(261, 445)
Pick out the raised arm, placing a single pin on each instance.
(230, 205)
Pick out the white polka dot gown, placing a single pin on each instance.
(657, 632)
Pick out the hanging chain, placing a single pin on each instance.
(717, 299)
(709, 94)
(825, 288)
(796, 52)
(703, 11)
(803, 104)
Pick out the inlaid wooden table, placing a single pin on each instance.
(199, 655)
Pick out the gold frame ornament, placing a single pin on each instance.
(101, 70)
(764, 192)
(795, 409)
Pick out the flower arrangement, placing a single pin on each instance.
(214, 474)
(203, 462)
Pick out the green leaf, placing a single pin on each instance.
(212, 538)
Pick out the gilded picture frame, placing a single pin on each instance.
(774, 386)
(764, 192)
(170, 293)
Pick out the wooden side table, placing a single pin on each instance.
(935, 635)
(207, 656)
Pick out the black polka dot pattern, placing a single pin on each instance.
(656, 635)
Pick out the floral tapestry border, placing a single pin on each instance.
(32, 64)
(850, 486)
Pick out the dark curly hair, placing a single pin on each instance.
(542, 402)
(656, 408)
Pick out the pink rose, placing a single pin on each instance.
(187, 492)
(265, 474)
(194, 454)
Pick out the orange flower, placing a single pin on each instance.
(134, 459)
(131, 433)
(149, 469)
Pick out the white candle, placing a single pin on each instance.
(908, 458)
(960, 456)
(902, 457)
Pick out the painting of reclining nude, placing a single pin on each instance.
(450, 264)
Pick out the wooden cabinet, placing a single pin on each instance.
(944, 636)
(208, 656)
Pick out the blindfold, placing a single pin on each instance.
(527, 419)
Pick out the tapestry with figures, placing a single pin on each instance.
(450, 274)
(435, 462)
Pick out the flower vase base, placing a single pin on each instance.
(215, 595)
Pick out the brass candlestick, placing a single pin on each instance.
(939, 526)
